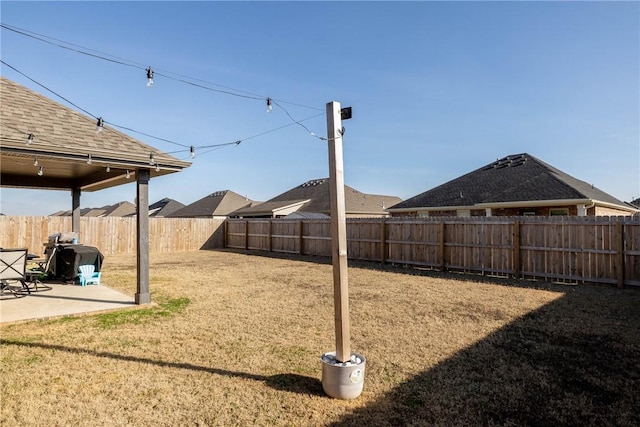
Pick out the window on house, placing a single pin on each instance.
(558, 211)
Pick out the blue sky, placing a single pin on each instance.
(438, 89)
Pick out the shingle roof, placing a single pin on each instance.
(515, 178)
(317, 192)
(119, 209)
(63, 140)
(164, 207)
(220, 203)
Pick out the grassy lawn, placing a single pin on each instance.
(236, 339)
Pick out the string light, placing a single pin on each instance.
(108, 169)
(157, 167)
(30, 139)
(149, 77)
(89, 160)
(130, 63)
(152, 161)
(128, 175)
(40, 171)
(35, 162)
(99, 125)
(100, 122)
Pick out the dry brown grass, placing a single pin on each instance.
(236, 340)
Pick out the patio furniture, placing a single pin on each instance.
(88, 275)
(32, 275)
(13, 263)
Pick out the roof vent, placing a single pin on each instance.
(509, 161)
(313, 183)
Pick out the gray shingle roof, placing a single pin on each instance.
(63, 140)
(317, 192)
(220, 203)
(164, 207)
(515, 178)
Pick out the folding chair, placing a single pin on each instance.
(32, 275)
(13, 264)
(88, 275)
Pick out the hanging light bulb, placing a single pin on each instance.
(193, 152)
(99, 125)
(35, 162)
(152, 161)
(40, 171)
(89, 160)
(149, 77)
(269, 106)
(157, 167)
(30, 139)
(128, 175)
(108, 169)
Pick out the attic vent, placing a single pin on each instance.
(313, 183)
(509, 161)
(217, 194)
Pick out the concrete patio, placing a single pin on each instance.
(62, 300)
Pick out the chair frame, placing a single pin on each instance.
(32, 276)
(13, 268)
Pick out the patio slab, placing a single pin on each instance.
(62, 300)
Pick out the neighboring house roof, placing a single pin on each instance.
(636, 202)
(307, 215)
(220, 203)
(313, 196)
(63, 139)
(164, 207)
(118, 209)
(512, 179)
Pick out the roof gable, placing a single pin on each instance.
(164, 207)
(316, 195)
(515, 178)
(220, 203)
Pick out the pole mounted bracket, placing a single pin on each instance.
(345, 113)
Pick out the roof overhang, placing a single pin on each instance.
(65, 170)
(520, 204)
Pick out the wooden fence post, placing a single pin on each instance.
(269, 238)
(516, 249)
(300, 239)
(225, 237)
(443, 264)
(246, 234)
(383, 241)
(619, 242)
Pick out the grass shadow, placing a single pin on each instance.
(415, 270)
(572, 362)
(292, 383)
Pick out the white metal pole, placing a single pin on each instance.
(338, 232)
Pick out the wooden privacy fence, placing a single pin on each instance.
(560, 249)
(114, 235)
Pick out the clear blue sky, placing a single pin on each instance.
(437, 89)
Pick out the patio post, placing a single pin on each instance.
(75, 210)
(143, 296)
(342, 371)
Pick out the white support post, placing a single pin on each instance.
(338, 232)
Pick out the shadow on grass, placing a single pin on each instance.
(573, 362)
(414, 270)
(292, 383)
